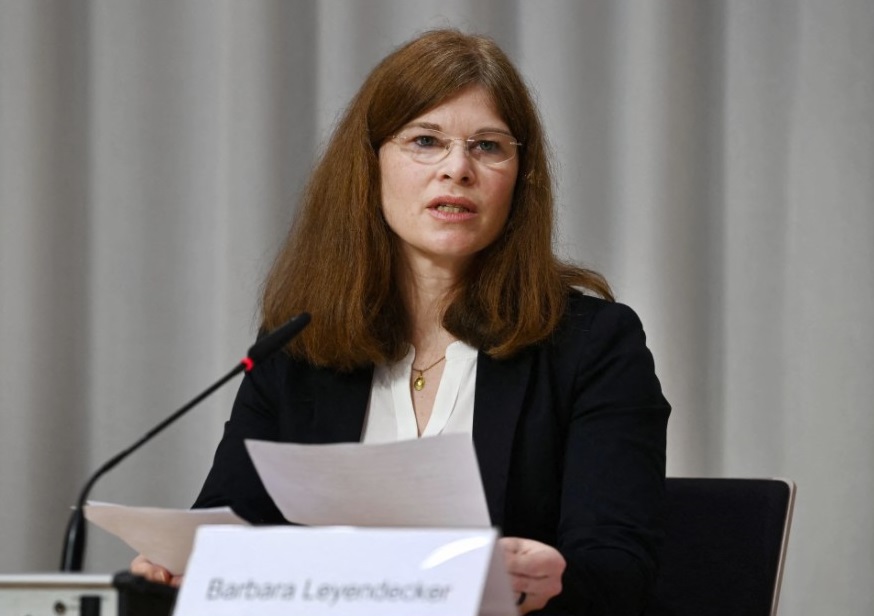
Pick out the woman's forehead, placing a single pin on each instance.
(472, 108)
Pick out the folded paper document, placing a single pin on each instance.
(428, 482)
(164, 536)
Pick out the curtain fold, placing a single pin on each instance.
(713, 159)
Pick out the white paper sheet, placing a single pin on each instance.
(164, 536)
(428, 482)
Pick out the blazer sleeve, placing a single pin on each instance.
(233, 481)
(610, 527)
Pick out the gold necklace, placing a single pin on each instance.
(419, 383)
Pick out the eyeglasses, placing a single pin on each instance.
(429, 146)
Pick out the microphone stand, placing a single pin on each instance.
(74, 543)
(74, 546)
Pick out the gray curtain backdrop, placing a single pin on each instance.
(714, 160)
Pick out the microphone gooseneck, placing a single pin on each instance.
(75, 537)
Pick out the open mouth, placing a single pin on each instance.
(452, 209)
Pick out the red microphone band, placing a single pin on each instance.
(248, 364)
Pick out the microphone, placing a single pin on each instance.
(74, 543)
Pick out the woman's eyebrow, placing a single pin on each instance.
(428, 125)
(437, 127)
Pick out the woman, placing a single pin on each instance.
(423, 250)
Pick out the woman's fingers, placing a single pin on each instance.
(535, 571)
(152, 572)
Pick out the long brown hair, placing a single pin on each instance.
(338, 260)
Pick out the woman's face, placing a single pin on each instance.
(445, 212)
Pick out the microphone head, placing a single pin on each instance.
(275, 340)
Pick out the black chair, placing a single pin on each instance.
(725, 542)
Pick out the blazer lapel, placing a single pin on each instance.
(500, 393)
(340, 403)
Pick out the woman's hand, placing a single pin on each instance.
(154, 573)
(535, 571)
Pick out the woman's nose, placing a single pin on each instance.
(458, 164)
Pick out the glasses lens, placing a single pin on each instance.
(431, 146)
(491, 148)
(424, 145)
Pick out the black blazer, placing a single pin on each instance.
(569, 435)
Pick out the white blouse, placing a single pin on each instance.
(390, 413)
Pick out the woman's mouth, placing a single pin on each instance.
(452, 205)
(451, 208)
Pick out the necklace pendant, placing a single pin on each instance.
(419, 381)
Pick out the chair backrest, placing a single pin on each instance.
(725, 542)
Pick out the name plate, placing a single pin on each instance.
(290, 570)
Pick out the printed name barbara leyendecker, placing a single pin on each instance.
(220, 589)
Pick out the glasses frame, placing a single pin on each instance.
(467, 143)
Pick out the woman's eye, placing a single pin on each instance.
(425, 141)
(486, 145)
